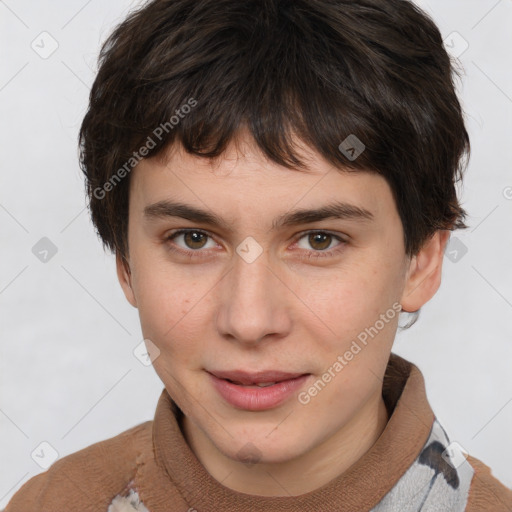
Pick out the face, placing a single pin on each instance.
(255, 286)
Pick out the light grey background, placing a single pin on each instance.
(68, 374)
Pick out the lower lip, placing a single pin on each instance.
(257, 399)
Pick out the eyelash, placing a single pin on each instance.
(311, 254)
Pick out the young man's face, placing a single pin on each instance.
(247, 296)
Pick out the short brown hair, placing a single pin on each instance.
(323, 70)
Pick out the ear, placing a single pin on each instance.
(424, 273)
(125, 279)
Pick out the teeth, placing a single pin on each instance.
(265, 384)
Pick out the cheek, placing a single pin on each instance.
(346, 301)
(349, 305)
(166, 302)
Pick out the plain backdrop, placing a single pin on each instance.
(68, 374)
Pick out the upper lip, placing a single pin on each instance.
(247, 378)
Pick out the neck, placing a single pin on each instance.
(303, 474)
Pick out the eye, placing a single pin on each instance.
(194, 239)
(320, 241)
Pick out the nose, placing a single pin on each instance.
(254, 303)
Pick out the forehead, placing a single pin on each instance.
(242, 179)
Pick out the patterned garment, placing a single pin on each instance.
(435, 481)
(439, 479)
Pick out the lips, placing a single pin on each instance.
(259, 378)
(257, 391)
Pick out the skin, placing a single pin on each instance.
(283, 311)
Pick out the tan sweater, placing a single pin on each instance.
(151, 466)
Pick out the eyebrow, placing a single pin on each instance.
(335, 210)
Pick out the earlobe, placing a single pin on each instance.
(125, 279)
(424, 273)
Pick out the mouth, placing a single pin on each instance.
(256, 391)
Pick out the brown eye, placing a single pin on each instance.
(191, 240)
(318, 244)
(194, 239)
(319, 241)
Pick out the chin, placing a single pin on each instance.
(259, 449)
